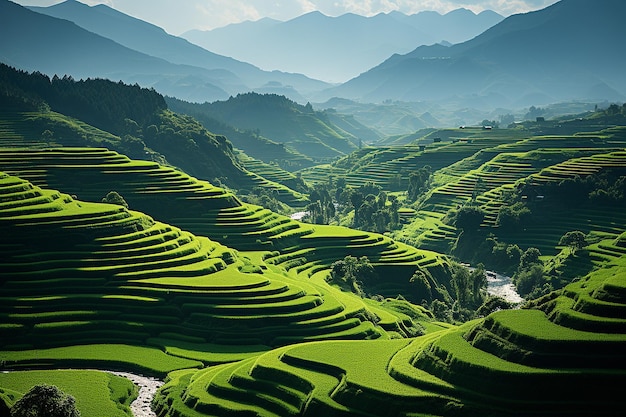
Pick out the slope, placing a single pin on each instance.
(541, 361)
(130, 119)
(564, 52)
(154, 41)
(299, 127)
(56, 46)
(352, 43)
(173, 197)
(108, 275)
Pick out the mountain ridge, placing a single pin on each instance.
(353, 43)
(558, 53)
(59, 46)
(153, 40)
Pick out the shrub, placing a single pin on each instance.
(113, 197)
(45, 401)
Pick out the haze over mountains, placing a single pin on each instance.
(562, 53)
(336, 49)
(75, 39)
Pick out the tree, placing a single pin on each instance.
(350, 272)
(418, 181)
(422, 285)
(575, 240)
(45, 401)
(469, 218)
(47, 136)
(527, 280)
(512, 217)
(113, 197)
(529, 275)
(528, 258)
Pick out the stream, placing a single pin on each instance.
(148, 387)
(502, 286)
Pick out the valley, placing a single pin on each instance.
(382, 247)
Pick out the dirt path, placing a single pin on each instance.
(147, 389)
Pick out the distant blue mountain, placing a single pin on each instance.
(338, 48)
(35, 42)
(571, 50)
(153, 40)
(139, 53)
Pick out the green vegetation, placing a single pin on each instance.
(299, 129)
(96, 393)
(45, 399)
(530, 361)
(41, 112)
(119, 263)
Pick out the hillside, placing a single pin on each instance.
(353, 43)
(490, 195)
(233, 304)
(58, 46)
(535, 58)
(89, 113)
(146, 282)
(556, 357)
(154, 41)
(247, 140)
(297, 127)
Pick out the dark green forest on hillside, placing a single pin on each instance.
(145, 234)
(299, 128)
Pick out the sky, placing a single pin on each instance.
(179, 16)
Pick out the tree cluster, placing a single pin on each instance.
(350, 272)
(419, 181)
(374, 210)
(45, 401)
(605, 187)
(469, 290)
(529, 278)
(101, 103)
(264, 197)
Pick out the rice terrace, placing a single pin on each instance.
(180, 240)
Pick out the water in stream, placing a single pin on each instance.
(502, 286)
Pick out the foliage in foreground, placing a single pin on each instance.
(45, 400)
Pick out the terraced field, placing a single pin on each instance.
(203, 209)
(76, 272)
(381, 165)
(230, 300)
(25, 130)
(555, 358)
(487, 175)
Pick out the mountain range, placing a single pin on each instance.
(567, 51)
(336, 49)
(82, 41)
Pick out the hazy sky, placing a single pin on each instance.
(178, 16)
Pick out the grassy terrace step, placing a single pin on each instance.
(24, 129)
(511, 363)
(146, 186)
(500, 382)
(136, 279)
(528, 337)
(551, 227)
(380, 165)
(96, 393)
(198, 207)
